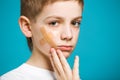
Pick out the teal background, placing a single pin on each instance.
(98, 45)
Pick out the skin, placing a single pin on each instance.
(51, 30)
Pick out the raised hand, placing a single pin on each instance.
(62, 68)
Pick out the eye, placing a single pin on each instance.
(76, 23)
(54, 23)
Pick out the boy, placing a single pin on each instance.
(51, 28)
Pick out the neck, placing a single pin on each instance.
(40, 60)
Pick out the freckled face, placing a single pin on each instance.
(57, 26)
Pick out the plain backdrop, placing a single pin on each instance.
(98, 45)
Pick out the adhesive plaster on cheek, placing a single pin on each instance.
(42, 41)
(47, 38)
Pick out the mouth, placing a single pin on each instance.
(67, 48)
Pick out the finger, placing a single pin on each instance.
(65, 64)
(76, 68)
(56, 71)
(56, 63)
(57, 74)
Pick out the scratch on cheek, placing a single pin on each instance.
(47, 38)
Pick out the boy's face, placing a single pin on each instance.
(57, 26)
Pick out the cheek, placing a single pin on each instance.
(75, 34)
(47, 38)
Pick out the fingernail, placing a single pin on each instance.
(77, 57)
(52, 49)
(57, 50)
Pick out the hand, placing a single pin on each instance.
(62, 68)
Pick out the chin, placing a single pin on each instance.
(66, 54)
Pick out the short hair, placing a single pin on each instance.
(32, 8)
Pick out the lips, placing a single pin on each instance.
(65, 48)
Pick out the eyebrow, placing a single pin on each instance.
(58, 17)
(79, 17)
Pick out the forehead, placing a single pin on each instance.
(63, 9)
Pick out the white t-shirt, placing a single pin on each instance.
(28, 72)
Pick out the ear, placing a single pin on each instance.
(25, 27)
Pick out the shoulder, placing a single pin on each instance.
(9, 75)
(14, 74)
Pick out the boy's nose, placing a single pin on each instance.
(67, 34)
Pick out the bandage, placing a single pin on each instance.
(47, 38)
